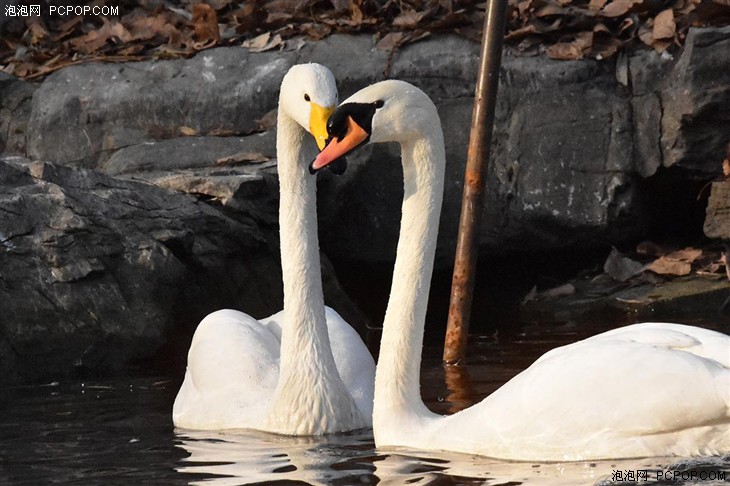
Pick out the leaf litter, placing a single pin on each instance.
(33, 47)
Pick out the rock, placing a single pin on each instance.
(188, 152)
(696, 103)
(573, 141)
(97, 272)
(15, 107)
(717, 221)
(82, 114)
(559, 162)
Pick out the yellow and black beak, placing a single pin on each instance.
(348, 127)
(318, 123)
(338, 147)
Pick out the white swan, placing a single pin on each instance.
(303, 371)
(649, 389)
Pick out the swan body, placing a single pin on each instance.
(304, 370)
(651, 389)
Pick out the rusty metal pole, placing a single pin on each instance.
(462, 284)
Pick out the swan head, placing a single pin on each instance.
(389, 111)
(309, 96)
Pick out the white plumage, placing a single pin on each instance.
(651, 389)
(303, 371)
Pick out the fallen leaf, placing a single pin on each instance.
(617, 8)
(205, 23)
(575, 49)
(664, 25)
(188, 131)
(94, 40)
(221, 132)
(667, 266)
(66, 28)
(548, 10)
(686, 254)
(408, 19)
(37, 30)
(268, 121)
(242, 157)
(391, 41)
(597, 4)
(263, 42)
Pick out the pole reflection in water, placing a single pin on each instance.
(461, 390)
(242, 457)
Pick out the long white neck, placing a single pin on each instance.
(397, 380)
(309, 386)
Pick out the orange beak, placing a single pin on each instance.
(337, 148)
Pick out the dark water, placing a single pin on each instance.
(120, 432)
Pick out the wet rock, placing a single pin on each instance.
(97, 272)
(647, 297)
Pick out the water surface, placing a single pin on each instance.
(120, 432)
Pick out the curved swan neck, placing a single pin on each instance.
(397, 380)
(310, 397)
(300, 264)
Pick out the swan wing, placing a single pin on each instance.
(354, 362)
(644, 390)
(233, 369)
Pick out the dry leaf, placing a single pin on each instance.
(268, 121)
(242, 157)
(94, 40)
(205, 23)
(409, 19)
(571, 50)
(263, 42)
(617, 8)
(664, 25)
(548, 10)
(686, 254)
(597, 4)
(391, 41)
(188, 131)
(37, 30)
(667, 266)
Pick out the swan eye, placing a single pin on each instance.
(379, 104)
(307, 98)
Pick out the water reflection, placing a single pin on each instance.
(461, 390)
(236, 458)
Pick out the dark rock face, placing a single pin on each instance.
(84, 114)
(571, 140)
(696, 104)
(15, 105)
(92, 264)
(97, 271)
